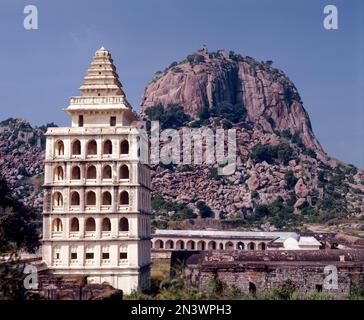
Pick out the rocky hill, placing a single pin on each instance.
(283, 176)
(21, 160)
(206, 79)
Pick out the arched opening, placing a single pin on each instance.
(212, 245)
(180, 245)
(191, 245)
(229, 246)
(91, 198)
(262, 246)
(240, 245)
(58, 174)
(75, 226)
(106, 198)
(251, 246)
(75, 198)
(76, 148)
(76, 173)
(169, 244)
(90, 224)
(124, 147)
(201, 245)
(106, 172)
(221, 246)
(91, 172)
(57, 225)
(106, 224)
(124, 198)
(158, 244)
(124, 172)
(59, 148)
(252, 288)
(57, 199)
(107, 147)
(124, 224)
(91, 148)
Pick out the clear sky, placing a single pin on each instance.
(40, 69)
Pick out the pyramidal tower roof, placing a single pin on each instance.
(101, 78)
(101, 89)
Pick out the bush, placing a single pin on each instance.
(204, 209)
(285, 290)
(173, 116)
(290, 179)
(283, 153)
(225, 110)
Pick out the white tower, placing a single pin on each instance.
(96, 217)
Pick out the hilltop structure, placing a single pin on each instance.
(96, 216)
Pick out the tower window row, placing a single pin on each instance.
(91, 173)
(92, 147)
(90, 198)
(90, 225)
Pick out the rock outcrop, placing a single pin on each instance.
(205, 79)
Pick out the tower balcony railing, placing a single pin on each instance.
(74, 208)
(106, 234)
(90, 234)
(75, 234)
(106, 207)
(90, 207)
(124, 208)
(57, 234)
(105, 261)
(97, 100)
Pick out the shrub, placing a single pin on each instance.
(285, 290)
(265, 152)
(173, 116)
(204, 209)
(290, 179)
(225, 110)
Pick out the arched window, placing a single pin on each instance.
(262, 246)
(124, 198)
(124, 147)
(107, 147)
(251, 246)
(91, 172)
(106, 198)
(58, 174)
(59, 148)
(90, 224)
(229, 246)
(240, 245)
(75, 226)
(123, 224)
(221, 246)
(201, 245)
(75, 198)
(57, 225)
(169, 244)
(57, 199)
(191, 245)
(76, 147)
(159, 244)
(76, 173)
(106, 172)
(91, 198)
(106, 224)
(91, 148)
(180, 245)
(212, 245)
(124, 172)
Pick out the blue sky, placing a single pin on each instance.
(41, 69)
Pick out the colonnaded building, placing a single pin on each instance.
(96, 218)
